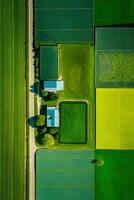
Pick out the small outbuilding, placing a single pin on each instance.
(52, 117)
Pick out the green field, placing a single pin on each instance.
(64, 174)
(76, 68)
(50, 27)
(114, 57)
(12, 99)
(114, 180)
(113, 12)
(73, 122)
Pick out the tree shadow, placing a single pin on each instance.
(43, 110)
(31, 122)
(35, 88)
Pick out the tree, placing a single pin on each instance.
(53, 131)
(42, 131)
(48, 140)
(53, 96)
(44, 93)
(40, 120)
(49, 96)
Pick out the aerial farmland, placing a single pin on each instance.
(67, 99)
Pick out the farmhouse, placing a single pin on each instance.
(52, 117)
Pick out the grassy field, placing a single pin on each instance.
(115, 68)
(73, 122)
(76, 68)
(114, 180)
(114, 12)
(12, 99)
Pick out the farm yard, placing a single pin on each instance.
(12, 99)
(76, 69)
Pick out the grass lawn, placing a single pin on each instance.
(76, 68)
(73, 122)
(114, 180)
(12, 99)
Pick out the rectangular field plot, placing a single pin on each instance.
(114, 180)
(73, 122)
(64, 174)
(115, 118)
(76, 68)
(63, 21)
(114, 57)
(114, 12)
(13, 69)
(48, 62)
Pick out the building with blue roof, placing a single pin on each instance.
(52, 117)
(54, 85)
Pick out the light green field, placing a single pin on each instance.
(12, 99)
(114, 118)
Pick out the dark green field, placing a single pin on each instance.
(63, 21)
(73, 122)
(113, 12)
(12, 99)
(114, 180)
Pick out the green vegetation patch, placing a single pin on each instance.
(48, 62)
(64, 174)
(73, 122)
(63, 21)
(115, 69)
(76, 69)
(12, 99)
(114, 57)
(114, 179)
(113, 12)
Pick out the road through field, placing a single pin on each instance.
(12, 99)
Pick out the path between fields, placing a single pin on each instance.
(32, 147)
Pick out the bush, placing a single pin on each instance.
(42, 131)
(49, 96)
(44, 93)
(39, 120)
(48, 140)
(53, 131)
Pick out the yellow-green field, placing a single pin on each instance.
(114, 118)
(12, 99)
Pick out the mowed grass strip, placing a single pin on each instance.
(73, 122)
(12, 110)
